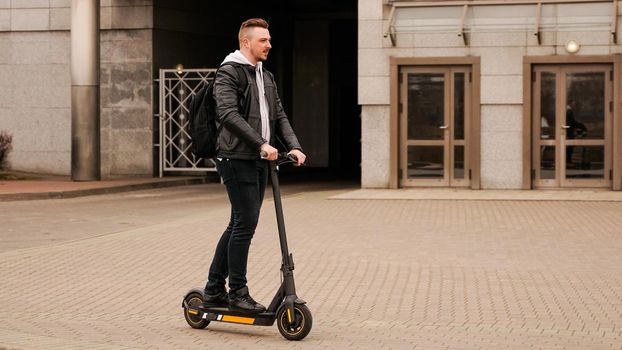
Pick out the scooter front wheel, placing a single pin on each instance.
(300, 325)
(194, 300)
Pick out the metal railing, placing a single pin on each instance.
(461, 29)
(176, 89)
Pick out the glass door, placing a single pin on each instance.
(545, 123)
(572, 126)
(434, 117)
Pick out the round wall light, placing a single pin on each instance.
(572, 46)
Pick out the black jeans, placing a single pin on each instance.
(246, 182)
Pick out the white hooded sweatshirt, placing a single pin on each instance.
(238, 57)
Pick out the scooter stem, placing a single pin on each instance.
(278, 206)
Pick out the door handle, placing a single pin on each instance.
(443, 127)
(565, 127)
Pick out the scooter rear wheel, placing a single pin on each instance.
(195, 321)
(301, 325)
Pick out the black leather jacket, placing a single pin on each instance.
(240, 134)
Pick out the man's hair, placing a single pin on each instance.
(250, 23)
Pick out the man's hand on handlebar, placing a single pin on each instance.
(268, 152)
(300, 157)
(296, 156)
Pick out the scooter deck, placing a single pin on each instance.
(223, 314)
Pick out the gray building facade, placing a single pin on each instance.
(480, 94)
(313, 58)
(490, 94)
(35, 85)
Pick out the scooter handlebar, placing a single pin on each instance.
(283, 157)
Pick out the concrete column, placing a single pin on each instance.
(85, 111)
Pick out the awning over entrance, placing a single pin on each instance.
(463, 17)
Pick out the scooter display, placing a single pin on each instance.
(291, 313)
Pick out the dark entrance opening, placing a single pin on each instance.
(314, 60)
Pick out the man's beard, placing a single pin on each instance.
(262, 56)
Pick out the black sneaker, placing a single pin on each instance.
(216, 300)
(241, 301)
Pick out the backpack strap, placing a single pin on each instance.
(243, 76)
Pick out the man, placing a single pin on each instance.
(250, 124)
(575, 129)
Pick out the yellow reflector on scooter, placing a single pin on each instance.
(236, 319)
(193, 312)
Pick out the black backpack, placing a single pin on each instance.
(202, 115)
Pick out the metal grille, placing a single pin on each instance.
(176, 91)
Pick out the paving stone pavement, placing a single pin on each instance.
(377, 274)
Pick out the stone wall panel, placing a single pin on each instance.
(131, 152)
(370, 34)
(26, 4)
(47, 162)
(5, 20)
(105, 145)
(502, 145)
(126, 51)
(60, 118)
(126, 100)
(105, 18)
(375, 151)
(130, 2)
(501, 174)
(30, 19)
(132, 17)
(370, 9)
(60, 3)
(5, 57)
(60, 18)
(6, 97)
(373, 90)
(130, 118)
(7, 120)
(35, 94)
(502, 89)
(126, 35)
(131, 87)
(496, 118)
(30, 52)
(60, 48)
(34, 130)
(105, 118)
(500, 60)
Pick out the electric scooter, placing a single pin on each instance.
(291, 313)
